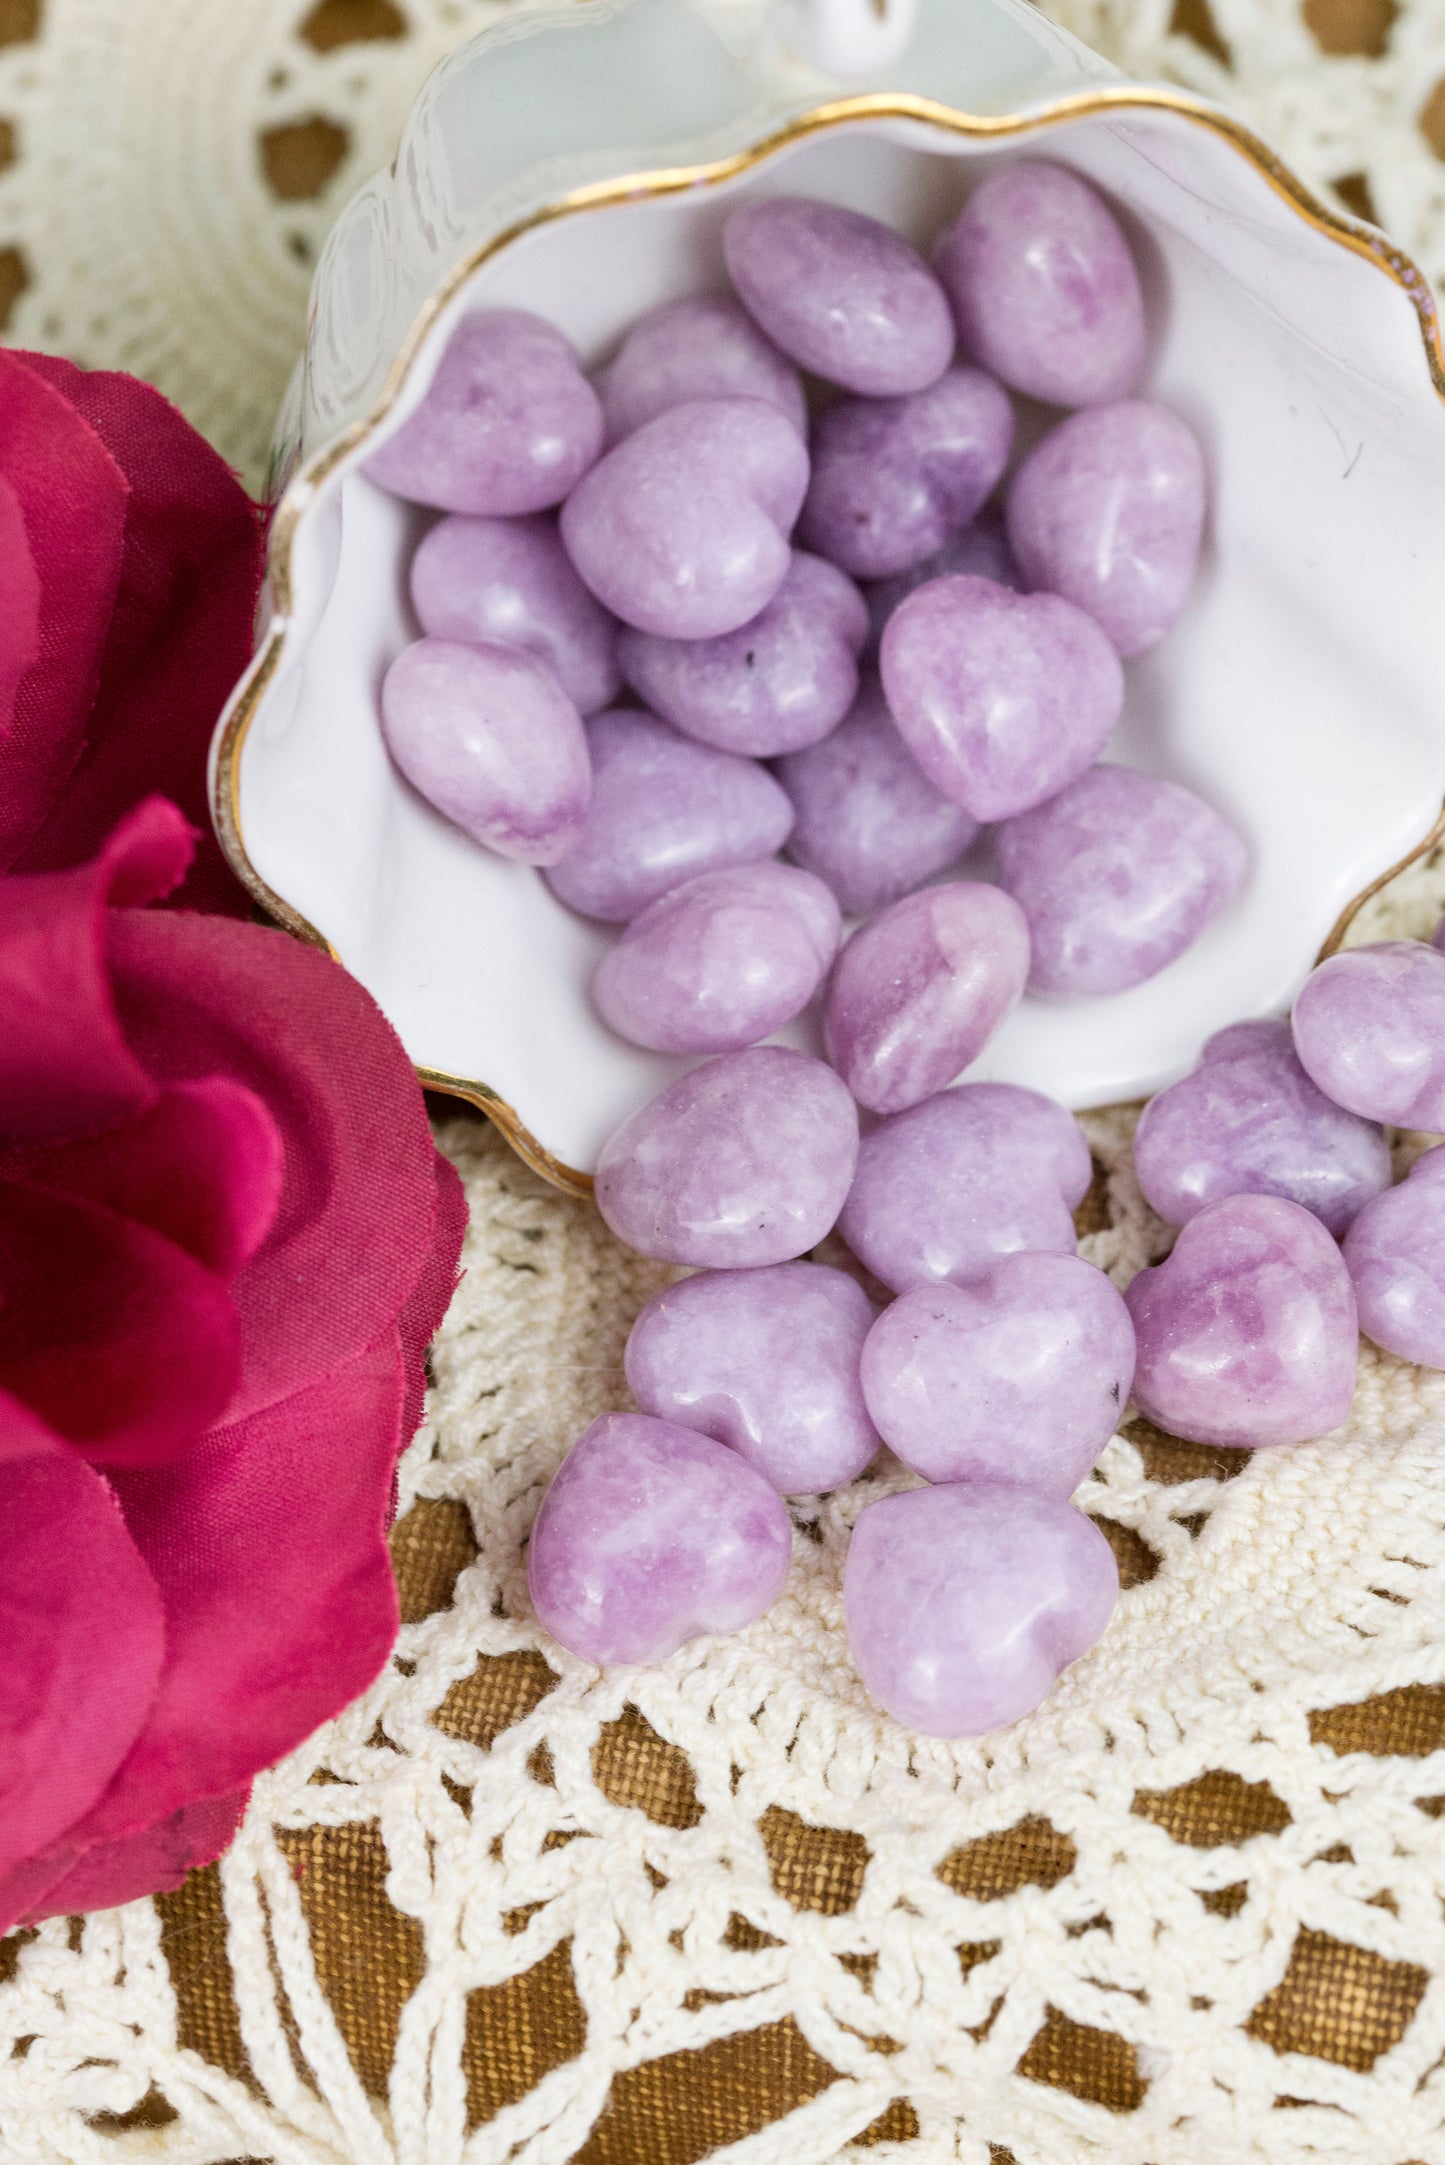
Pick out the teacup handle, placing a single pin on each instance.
(846, 37)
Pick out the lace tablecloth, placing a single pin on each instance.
(1192, 1911)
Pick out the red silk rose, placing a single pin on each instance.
(225, 1239)
(130, 561)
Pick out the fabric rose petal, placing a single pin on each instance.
(130, 563)
(225, 1240)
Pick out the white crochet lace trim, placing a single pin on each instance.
(1314, 1577)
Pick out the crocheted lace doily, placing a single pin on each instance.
(1242, 1899)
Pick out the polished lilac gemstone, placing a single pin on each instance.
(720, 962)
(1249, 1121)
(1246, 1332)
(663, 810)
(683, 529)
(1369, 1028)
(918, 993)
(841, 294)
(509, 423)
(869, 821)
(1020, 1377)
(965, 1604)
(705, 347)
(1117, 875)
(982, 548)
(1002, 698)
(766, 1361)
(651, 1535)
(1043, 286)
(945, 1189)
(894, 478)
(509, 582)
(742, 1162)
(488, 736)
(1395, 1254)
(1109, 512)
(779, 683)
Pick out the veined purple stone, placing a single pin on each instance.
(982, 548)
(1369, 1028)
(508, 582)
(869, 821)
(945, 1189)
(893, 479)
(1246, 1333)
(720, 962)
(1395, 1254)
(488, 736)
(1117, 875)
(651, 1535)
(965, 1604)
(1001, 698)
(683, 528)
(841, 294)
(510, 423)
(1019, 1378)
(1043, 286)
(744, 1161)
(1249, 1121)
(779, 683)
(918, 993)
(766, 1361)
(663, 810)
(704, 347)
(1109, 512)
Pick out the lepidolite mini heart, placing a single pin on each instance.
(1247, 1332)
(1002, 698)
(683, 529)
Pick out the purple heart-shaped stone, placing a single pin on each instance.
(1247, 1332)
(651, 1535)
(683, 529)
(965, 1603)
(1002, 698)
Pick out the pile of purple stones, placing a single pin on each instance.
(923, 667)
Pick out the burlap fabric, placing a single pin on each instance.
(1194, 1910)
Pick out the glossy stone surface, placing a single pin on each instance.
(766, 1361)
(509, 423)
(1021, 1377)
(841, 294)
(918, 993)
(1043, 286)
(663, 810)
(894, 479)
(1109, 512)
(510, 582)
(488, 736)
(1246, 1333)
(720, 962)
(982, 548)
(776, 684)
(1369, 1028)
(869, 821)
(945, 1189)
(1395, 1255)
(706, 346)
(651, 1535)
(1249, 1121)
(1002, 698)
(683, 528)
(744, 1161)
(965, 1604)
(1117, 875)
